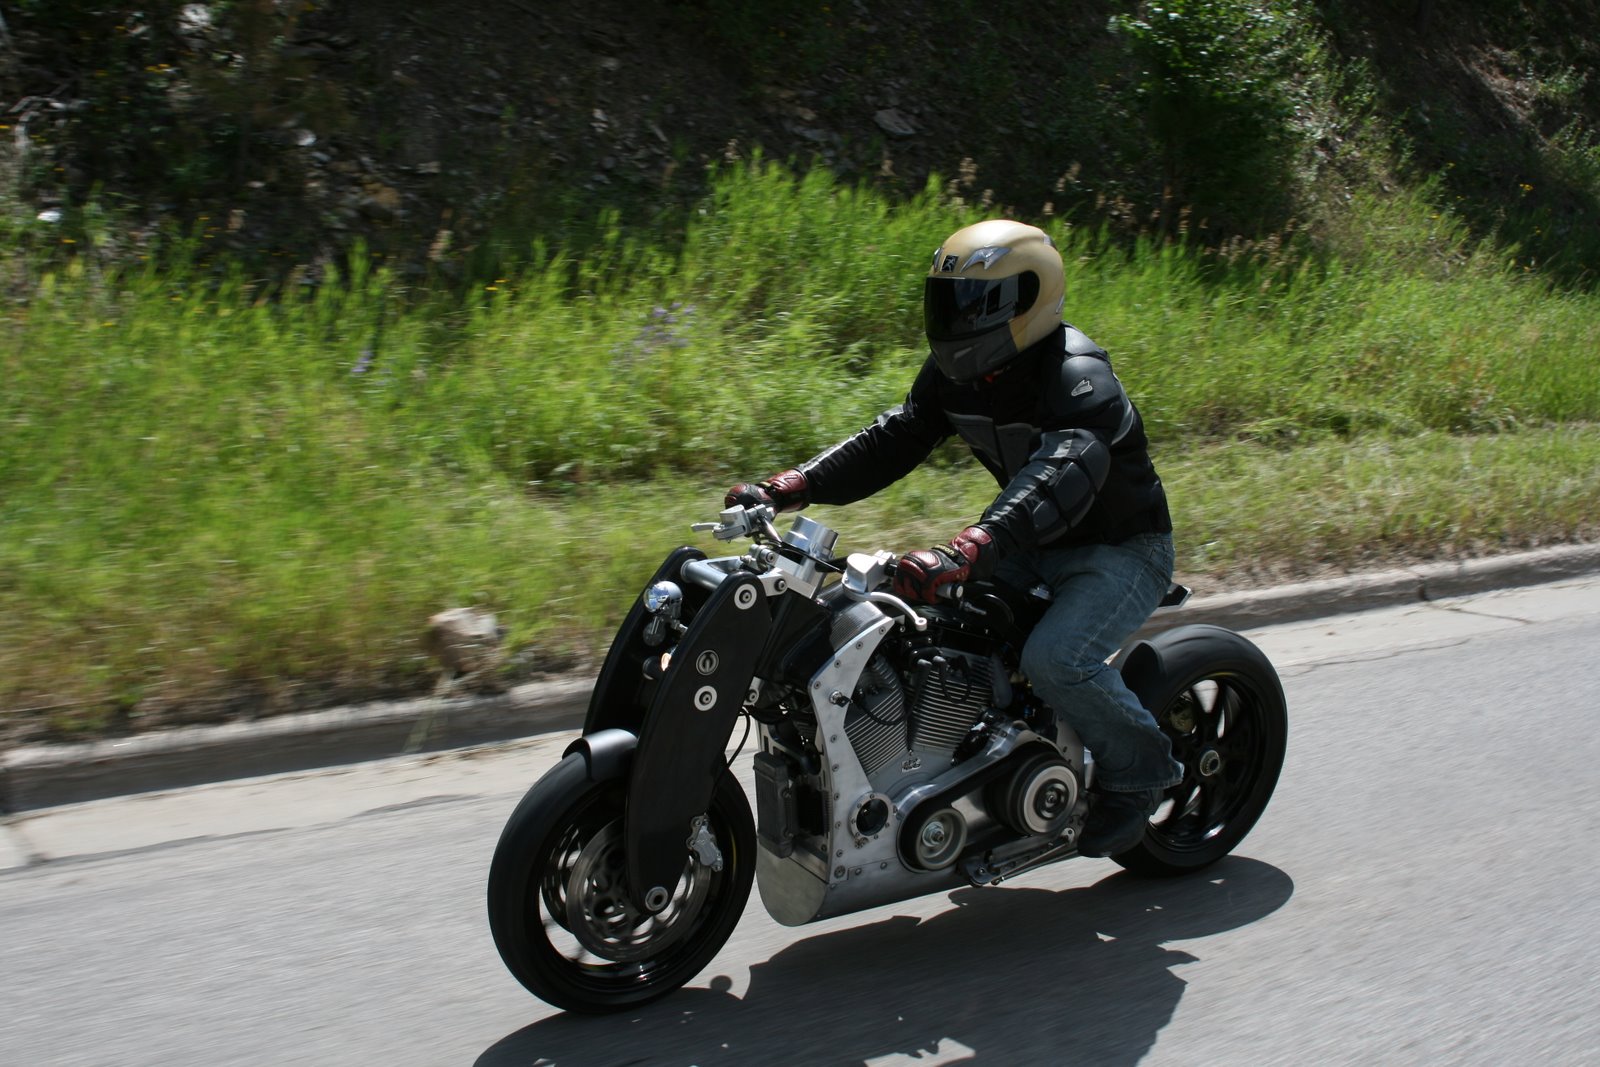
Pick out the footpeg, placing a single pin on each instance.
(998, 864)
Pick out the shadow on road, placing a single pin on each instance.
(1004, 977)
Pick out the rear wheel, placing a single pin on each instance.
(559, 906)
(1218, 699)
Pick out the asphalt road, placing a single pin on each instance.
(1422, 890)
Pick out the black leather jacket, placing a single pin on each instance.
(1056, 430)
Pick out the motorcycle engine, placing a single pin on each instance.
(926, 704)
(911, 721)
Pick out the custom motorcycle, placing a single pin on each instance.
(901, 752)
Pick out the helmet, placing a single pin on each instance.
(994, 289)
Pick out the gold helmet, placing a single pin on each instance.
(994, 288)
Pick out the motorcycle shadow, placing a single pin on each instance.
(1005, 976)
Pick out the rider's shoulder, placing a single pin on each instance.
(1081, 377)
(1075, 342)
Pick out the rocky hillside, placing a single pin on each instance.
(284, 130)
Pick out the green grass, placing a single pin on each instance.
(1245, 513)
(217, 496)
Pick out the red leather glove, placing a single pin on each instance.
(918, 576)
(782, 492)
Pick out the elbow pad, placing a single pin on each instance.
(1054, 491)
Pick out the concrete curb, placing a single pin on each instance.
(41, 776)
(1380, 589)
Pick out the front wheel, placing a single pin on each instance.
(559, 906)
(1219, 701)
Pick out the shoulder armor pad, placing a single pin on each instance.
(1077, 343)
(1084, 384)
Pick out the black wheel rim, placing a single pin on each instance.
(1219, 732)
(555, 915)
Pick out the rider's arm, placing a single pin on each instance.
(1059, 483)
(882, 453)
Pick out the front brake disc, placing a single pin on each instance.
(601, 915)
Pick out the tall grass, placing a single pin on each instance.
(217, 494)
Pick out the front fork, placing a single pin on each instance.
(682, 719)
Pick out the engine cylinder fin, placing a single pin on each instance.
(876, 722)
(876, 726)
(951, 696)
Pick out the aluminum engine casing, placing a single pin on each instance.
(884, 747)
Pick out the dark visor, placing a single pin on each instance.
(953, 308)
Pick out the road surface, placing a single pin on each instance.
(1423, 889)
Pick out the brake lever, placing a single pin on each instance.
(739, 521)
(863, 573)
(879, 597)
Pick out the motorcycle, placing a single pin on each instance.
(901, 752)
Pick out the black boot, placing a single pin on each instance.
(1116, 821)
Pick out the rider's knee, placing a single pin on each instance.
(1042, 667)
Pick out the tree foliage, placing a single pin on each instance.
(1217, 83)
(180, 97)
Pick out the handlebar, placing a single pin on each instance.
(951, 591)
(865, 575)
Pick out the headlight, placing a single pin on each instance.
(663, 598)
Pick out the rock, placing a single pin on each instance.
(464, 641)
(894, 122)
(381, 202)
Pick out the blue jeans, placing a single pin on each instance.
(1103, 593)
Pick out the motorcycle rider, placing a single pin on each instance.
(1080, 508)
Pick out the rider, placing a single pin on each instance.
(1080, 507)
